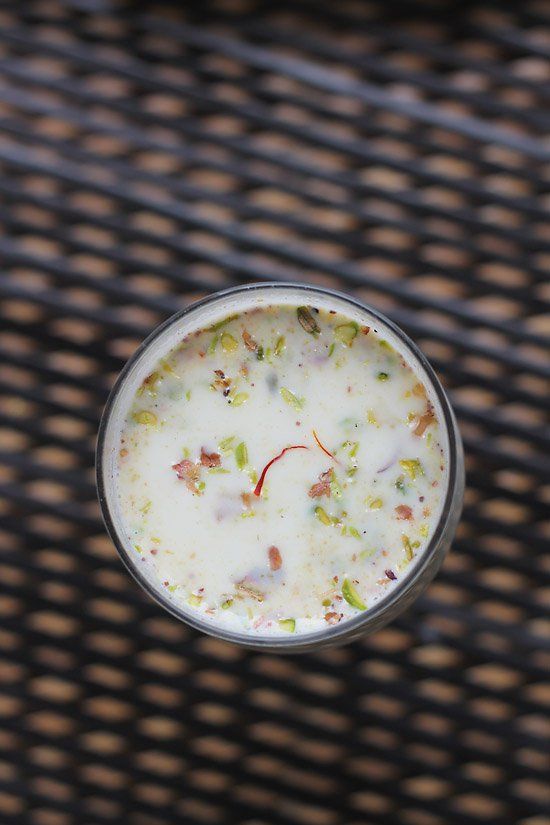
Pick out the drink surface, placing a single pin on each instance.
(281, 471)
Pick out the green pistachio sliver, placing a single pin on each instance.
(167, 367)
(241, 455)
(367, 554)
(326, 602)
(172, 588)
(226, 604)
(138, 548)
(229, 344)
(335, 488)
(248, 514)
(383, 376)
(280, 346)
(384, 344)
(354, 447)
(253, 476)
(201, 486)
(345, 333)
(351, 471)
(331, 349)
(288, 624)
(227, 444)
(307, 321)
(292, 399)
(239, 399)
(222, 323)
(351, 595)
(424, 531)
(353, 531)
(194, 600)
(218, 471)
(260, 353)
(323, 516)
(188, 395)
(213, 345)
(376, 504)
(145, 417)
(412, 467)
(400, 484)
(146, 507)
(409, 553)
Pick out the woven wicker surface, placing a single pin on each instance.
(150, 154)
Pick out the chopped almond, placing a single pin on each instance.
(322, 488)
(210, 459)
(424, 421)
(275, 558)
(404, 512)
(249, 341)
(189, 473)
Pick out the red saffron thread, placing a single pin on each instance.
(260, 484)
(324, 449)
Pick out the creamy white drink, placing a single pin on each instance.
(279, 471)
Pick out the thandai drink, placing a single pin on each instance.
(280, 471)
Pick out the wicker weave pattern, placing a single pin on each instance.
(150, 154)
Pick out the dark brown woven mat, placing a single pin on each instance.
(150, 154)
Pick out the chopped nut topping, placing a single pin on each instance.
(333, 618)
(404, 512)
(275, 558)
(189, 473)
(210, 459)
(322, 488)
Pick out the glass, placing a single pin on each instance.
(207, 312)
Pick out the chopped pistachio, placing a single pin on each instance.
(146, 507)
(241, 455)
(400, 484)
(353, 531)
(288, 624)
(227, 604)
(260, 353)
(155, 539)
(383, 376)
(280, 346)
(213, 345)
(323, 516)
(248, 514)
(218, 471)
(239, 399)
(145, 417)
(185, 452)
(424, 531)
(372, 419)
(345, 333)
(229, 344)
(201, 486)
(253, 476)
(167, 367)
(408, 547)
(326, 602)
(412, 467)
(367, 554)
(194, 600)
(149, 384)
(376, 504)
(331, 349)
(292, 399)
(354, 447)
(227, 444)
(351, 595)
(384, 344)
(172, 588)
(307, 321)
(138, 548)
(429, 439)
(350, 472)
(188, 395)
(222, 323)
(335, 487)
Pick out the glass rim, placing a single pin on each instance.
(334, 633)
